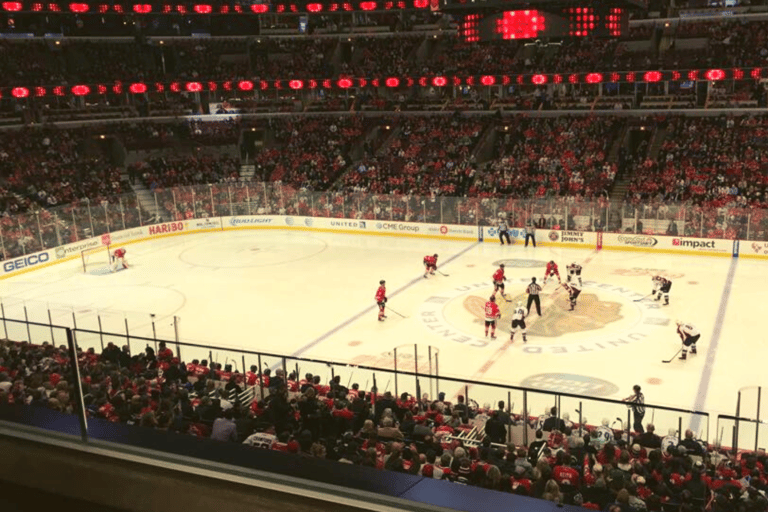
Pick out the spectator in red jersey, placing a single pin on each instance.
(562, 472)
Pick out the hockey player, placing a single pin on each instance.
(430, 265)
(670, 440)
(574, 289)
(689, 334)
(603, 434)
(538, 423)
(498, 281)
(518, 321)
(381, 299)
(492, 313)
(574, 273)
(661, 285)
(118, 259)
(552, 271)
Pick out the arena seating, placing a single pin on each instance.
(541, 157)
(712, 165)
(570, 464)
(428, 155)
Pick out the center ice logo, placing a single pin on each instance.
(606, 317)
(556, 321)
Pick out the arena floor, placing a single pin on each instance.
(311, 295)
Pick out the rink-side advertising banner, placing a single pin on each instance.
(551, 237)
(28, 263)
(557, 238)
(669, 244)
(353, 226)
(753, 250)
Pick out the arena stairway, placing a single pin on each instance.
(147, 200)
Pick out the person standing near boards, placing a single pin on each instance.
(530, 233)
(503, 231)
(636, 402)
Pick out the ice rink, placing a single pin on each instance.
(311, 295)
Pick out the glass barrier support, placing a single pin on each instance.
(79, 402)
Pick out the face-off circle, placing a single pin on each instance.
(606, 317)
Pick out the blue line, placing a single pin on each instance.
(371, 308)
(709, 364)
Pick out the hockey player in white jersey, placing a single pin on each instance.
(567, 420)
(689, 335)
(574, 289)
(538, 424)
(669, 440)
(574, 273)
(603, 434)
(661, 285)
(518, 321)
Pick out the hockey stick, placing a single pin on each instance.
(673, 357)
(638, 300)
(395, 312)
(446, 275)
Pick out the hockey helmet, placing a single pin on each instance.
(382, 282)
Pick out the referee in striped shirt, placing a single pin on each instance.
(637, 403)
(533, 296)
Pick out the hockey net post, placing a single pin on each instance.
(96, 257)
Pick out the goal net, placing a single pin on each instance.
(98, 257)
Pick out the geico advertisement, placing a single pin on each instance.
(26, 261)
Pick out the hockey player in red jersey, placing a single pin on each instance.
(381, 299)
(552, 271)
(118, 259)
(430, 265)
(492, 313)
(498, 281)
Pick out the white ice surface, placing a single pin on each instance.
(311, 294)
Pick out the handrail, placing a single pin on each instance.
(370, 368)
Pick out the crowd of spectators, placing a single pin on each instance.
(196, 59)
(716, 163)
(173, 171)
(539, 157)
(45, 167)
(421, 156)
(375, 57)
(292, 58)
(309, 152)
(427, 156)
(566, 463)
